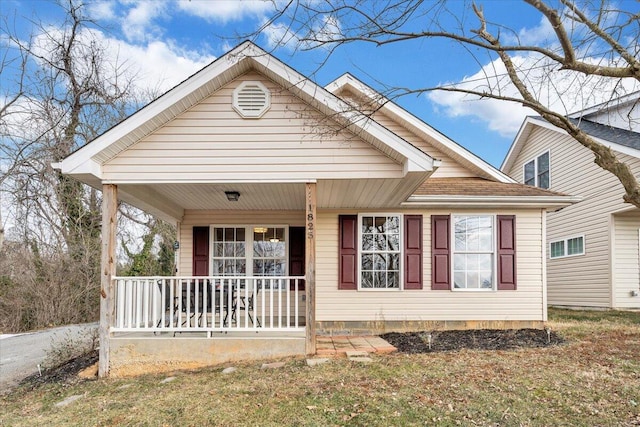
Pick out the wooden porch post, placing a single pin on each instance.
(107, 271)
(310, 268)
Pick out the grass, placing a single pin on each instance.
(592, 380)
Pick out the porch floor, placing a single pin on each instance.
(340, 345)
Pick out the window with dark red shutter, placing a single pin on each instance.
(413, 252)
(506, 252)
(348, 252)
(440, 257)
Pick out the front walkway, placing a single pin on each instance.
(340, 345)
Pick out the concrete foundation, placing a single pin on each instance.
(135, 355)
(332, 328)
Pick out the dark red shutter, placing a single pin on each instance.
(440, 258)
(506, 252)
(297, 242)
(200, 251)
(348, 252)
(413, 251)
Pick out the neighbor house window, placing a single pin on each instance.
(536, 172)
(473, 251)
(380, 254)
(572, 246)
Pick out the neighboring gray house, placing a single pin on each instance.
(593, 246)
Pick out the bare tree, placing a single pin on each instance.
(66, 90)
(588, 42)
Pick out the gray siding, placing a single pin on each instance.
(580, 280)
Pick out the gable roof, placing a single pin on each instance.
(85, 163)
(621, 140)
(440, 141)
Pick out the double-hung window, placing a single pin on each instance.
(380, 251)
(536, 172)
(473, 251)
(572, 246)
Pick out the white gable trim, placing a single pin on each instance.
(153, 115)
(445, 144)
(531, 122)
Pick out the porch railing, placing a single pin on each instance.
(208, 304)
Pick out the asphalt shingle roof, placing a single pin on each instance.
(478, 187)
(609, 133)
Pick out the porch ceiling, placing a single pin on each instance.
(170, 200)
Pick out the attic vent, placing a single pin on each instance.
(251, 99)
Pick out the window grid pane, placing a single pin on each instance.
(269, 250)
(473, 252)
(229, 252)
(557, 249)
(530, 173)
(575, 246)
(380, 252)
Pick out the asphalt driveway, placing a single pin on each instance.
(21, 354)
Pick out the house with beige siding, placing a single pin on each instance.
(299, 215)
(592, 246)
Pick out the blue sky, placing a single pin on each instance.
(166, 41)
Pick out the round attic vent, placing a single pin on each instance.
(251, 99)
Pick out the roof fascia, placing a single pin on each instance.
(520, 139)
(419, 161)
(348, 81)
(530, 122)
(615, 103)
(553, 202)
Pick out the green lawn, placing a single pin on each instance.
(592, 380)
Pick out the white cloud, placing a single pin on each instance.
(226, 10)
(102, 10)
(138, 24)
(562, 91)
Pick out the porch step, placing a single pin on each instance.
(342, 345)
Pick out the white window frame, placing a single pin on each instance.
(566, 246)
(494, 251)
(536, 171)
(400, 251)
(248, 244)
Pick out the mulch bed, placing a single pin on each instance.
(410, 342)
(67, 373)
(481, 339)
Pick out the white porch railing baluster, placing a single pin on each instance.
(207, 304)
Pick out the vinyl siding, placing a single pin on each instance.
(626, 268)
(449, 167)
(580, 280)
(526, 303)
(210, 141)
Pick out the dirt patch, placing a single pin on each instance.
(482, 339)
(67, 373)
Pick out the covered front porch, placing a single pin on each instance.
(243, 287)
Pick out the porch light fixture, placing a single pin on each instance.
(232, 196)
(260, 230)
